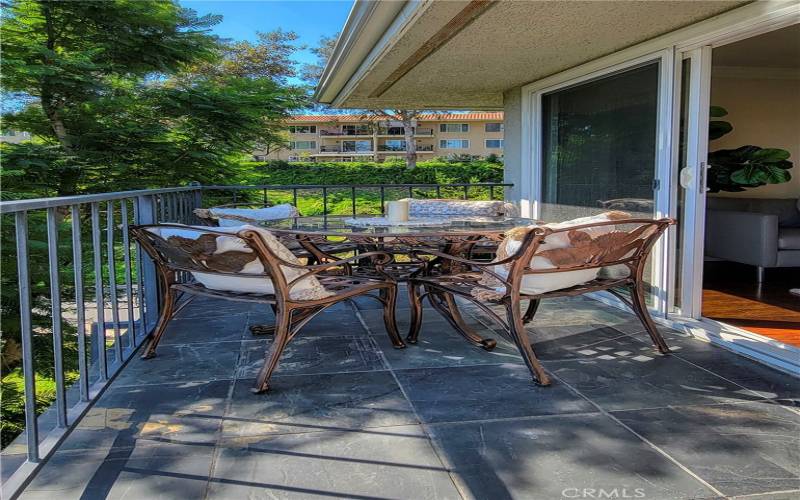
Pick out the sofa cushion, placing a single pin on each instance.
(787, 210)
(232, 217)
(534, 284)
(789, 238)
(434, 207)
(308, 288)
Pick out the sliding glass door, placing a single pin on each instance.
(599, 146)
(600, 151)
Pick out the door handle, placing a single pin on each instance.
(701, 179)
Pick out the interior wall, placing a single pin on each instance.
(764, 110)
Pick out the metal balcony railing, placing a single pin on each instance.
(113, 298)
(420, 147)
(401, 131)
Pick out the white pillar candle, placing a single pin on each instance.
(397, 211)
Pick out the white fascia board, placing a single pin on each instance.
(365, 27)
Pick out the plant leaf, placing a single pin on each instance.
(717, 112)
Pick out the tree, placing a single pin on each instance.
(270, 57)
(408, 118)
(113, 107)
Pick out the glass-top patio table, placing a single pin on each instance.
(457, 235)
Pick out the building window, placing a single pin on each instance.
(303, 145)
(395, 145)
(453, 144)
(494, 143)
(357, 146)
(494, 127)
(303, 129)
(355, 129)
(454, 127)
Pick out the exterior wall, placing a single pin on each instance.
(512, 108)
(428, 145)
(764, 112)
(15, 137)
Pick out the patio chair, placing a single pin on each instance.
(249, 264)
(237, 214)
(605, 252)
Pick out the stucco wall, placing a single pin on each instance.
(512, 106)
(764, 112)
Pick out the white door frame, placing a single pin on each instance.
(532, 143)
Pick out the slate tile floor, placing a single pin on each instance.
(350, 417)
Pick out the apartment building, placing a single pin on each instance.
(354, 137)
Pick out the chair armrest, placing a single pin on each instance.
(744, 237)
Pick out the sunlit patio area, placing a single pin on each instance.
(348, 416)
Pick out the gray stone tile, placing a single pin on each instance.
(163, 471)
(204, 330)
(299, 403)
(440, 345)
(578, 342)
(636, 378)
(745, 372)
(331, 322)
(740, 449)
(397, 463)
(126, 417)
(559, 457)
(207, 307)
(485, 392)
(780, 495)
(308, 355)
(183, 363)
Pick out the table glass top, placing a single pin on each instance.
(343, 224)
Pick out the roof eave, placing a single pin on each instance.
(366, 34)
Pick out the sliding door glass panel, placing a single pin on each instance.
(683, 118)
(599, 147)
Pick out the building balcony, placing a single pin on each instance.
(425, 148)
(398, 131)
(338, 132)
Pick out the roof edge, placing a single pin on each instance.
(365, 26)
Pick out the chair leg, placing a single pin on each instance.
(640, 308)
(533, 306)
(520, 336)
(416, 312)
(282, 333)
(389, 299)
(161, 326)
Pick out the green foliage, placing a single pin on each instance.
(427, 172)
(735, 170)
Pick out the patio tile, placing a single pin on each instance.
(399, 462)
(163, 471)
(208, 307)
(192, 330)
(439, 346)
(183, 363)
(126, 417)
(559, 457)
(643, 378)
(299, 403)
(762, 379)
(328, 323)
(740, 449)
(578, 341)
(307, 355)
(485, 392)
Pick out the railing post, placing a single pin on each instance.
(146, 214)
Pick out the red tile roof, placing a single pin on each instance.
(427, 117)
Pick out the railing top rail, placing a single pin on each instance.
(10, 207)
(348, 186)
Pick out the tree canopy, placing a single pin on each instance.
(135, 93)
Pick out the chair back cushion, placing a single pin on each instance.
(234, 266)
(563, 249)
(234, 217)
(439, 207)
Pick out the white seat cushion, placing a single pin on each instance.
(242, 215)
(308, 288)
(433, 207)
(534, 284)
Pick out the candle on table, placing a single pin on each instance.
(397, 211)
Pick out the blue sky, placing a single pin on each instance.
(242, 19)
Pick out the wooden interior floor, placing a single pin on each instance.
(732, 295)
